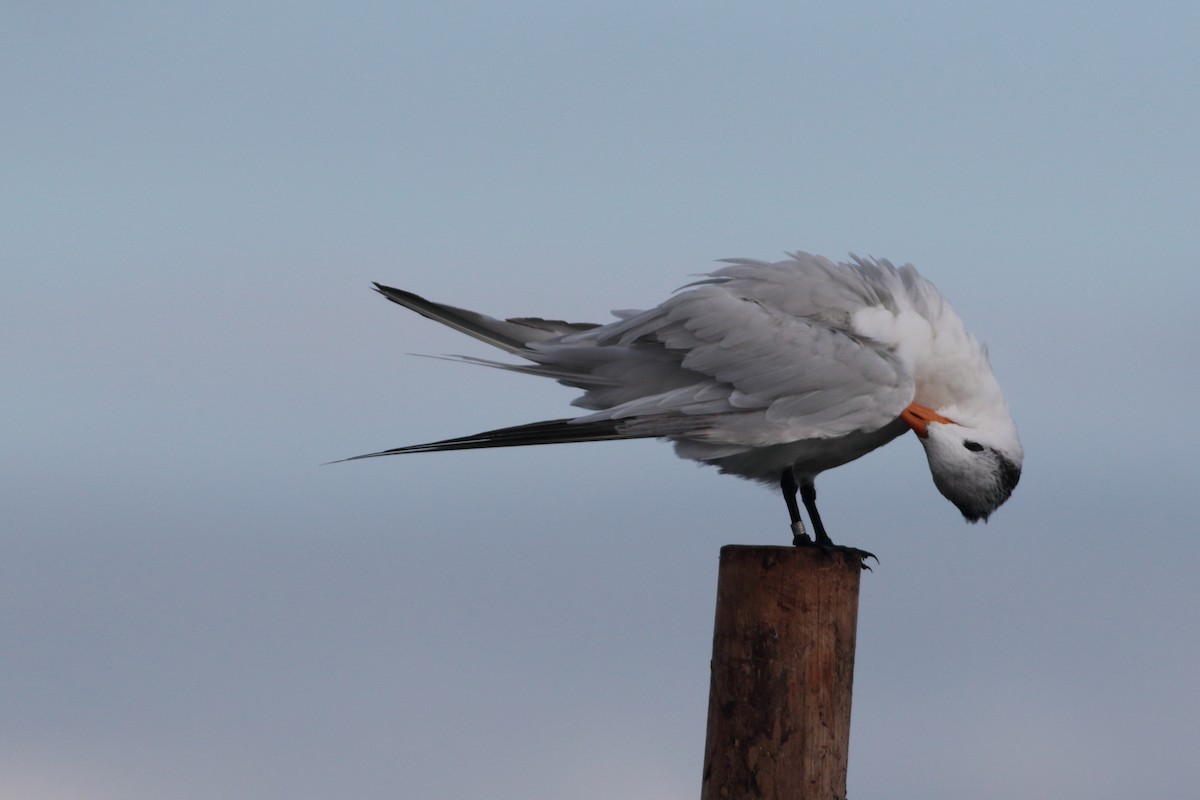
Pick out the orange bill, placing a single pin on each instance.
(918, 418)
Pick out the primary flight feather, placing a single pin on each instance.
(773, 372)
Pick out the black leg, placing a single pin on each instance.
(787, 484)
(808, 493)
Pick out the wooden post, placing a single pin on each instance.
(782, 674)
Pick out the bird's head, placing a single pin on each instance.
(976, 462)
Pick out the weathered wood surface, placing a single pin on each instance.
(782, 674)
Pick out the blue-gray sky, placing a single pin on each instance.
(196, 199)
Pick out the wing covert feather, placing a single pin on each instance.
(806, 378)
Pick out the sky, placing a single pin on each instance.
(196, 200)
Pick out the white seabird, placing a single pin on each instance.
(773, 372)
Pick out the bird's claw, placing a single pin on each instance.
(801, 539)
(861, 555)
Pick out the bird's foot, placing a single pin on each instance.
(800, 537)
(861, 555)
(803, 540)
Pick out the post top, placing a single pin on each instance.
(789, 555)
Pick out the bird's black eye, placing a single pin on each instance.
(974, 447)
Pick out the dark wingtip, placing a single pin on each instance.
(558, 431)
(392, 293)
(392, 452)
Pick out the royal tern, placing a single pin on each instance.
(773, 372)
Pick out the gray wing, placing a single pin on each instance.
(741, 370)
(756, 354)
